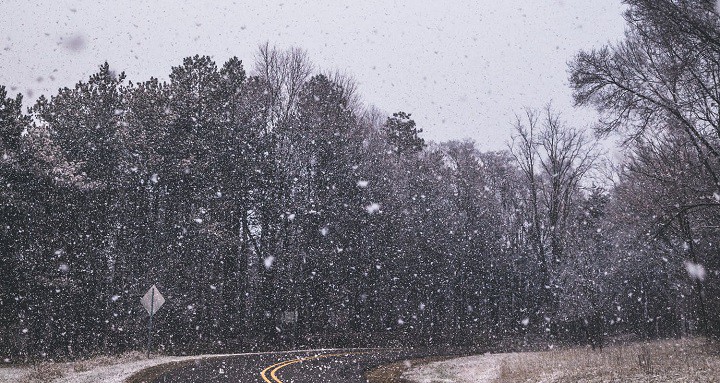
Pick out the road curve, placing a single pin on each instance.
(347, 366)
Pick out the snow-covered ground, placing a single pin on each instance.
(470, 369)
(671, 360)
(101, 369)
(13, 375)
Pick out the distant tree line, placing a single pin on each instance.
(274, 210)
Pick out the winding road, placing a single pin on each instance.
(347, 366)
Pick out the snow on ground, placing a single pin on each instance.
(470, 369)
(13, 375)
(116, 373)
(100, 369)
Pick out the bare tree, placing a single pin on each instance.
(666, 72)
(284, 73)
(349, 89)
(555, 159)
(660, 88)
(524, 150)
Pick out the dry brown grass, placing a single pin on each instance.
(43, 373)
(391, 373)
(687, 360)
(51, 371)
(103, 360)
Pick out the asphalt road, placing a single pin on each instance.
(347, 366)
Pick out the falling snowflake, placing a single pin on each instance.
(362, 184)
(525, 322)
(695, 270)
(372, 208)
(75, 43)
(154, 178)
(268, 261)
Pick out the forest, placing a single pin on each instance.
(274, 209)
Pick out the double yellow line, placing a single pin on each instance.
(277, 366)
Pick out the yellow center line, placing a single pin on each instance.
(277, 366)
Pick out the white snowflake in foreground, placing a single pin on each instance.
(268, 261)
(372, 208)
(362, 184)
(695, 270)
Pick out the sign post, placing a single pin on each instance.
(152, 301)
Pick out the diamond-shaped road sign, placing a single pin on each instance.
(152, 300)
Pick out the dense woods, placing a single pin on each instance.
(273, 209)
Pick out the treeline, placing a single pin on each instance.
(274, 210)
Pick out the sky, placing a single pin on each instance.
(464, 69)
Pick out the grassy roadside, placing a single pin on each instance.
(44, 372)
(131, 367)
(682, 360)
(391, 373)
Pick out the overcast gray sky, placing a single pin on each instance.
(462, 68)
